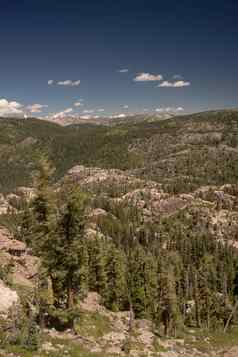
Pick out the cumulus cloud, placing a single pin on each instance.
(16, 109)
(36, 108)
(10, 108)
(147, 77)
(123, 70)
(78, 104)
(66, 83)
(101, 110)
(69, 83)
(177, 84)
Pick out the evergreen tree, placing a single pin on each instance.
(142, 282)
(32, 340)
(44, 211)
(116, 296)
(170, 314)
(97, 266)
(70, 250)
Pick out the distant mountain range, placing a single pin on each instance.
(111, 120)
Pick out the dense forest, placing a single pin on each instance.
(182, 152)
(174, 264)
(168, 271)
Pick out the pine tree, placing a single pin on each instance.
(32, 340)
(70, 249)
(170, 313)
(97, 266)
(44, 211)
(143, 282)
(116, 296)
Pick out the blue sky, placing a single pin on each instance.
(183, 53)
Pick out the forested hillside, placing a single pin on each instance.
(182, 152)
(124, 240)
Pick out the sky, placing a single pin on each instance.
(101, 57)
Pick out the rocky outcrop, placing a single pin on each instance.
(14, 253)
(8, 298)
(5, 207)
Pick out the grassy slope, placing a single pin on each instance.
(199, 149)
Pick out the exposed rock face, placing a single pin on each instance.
(24, 266)
(12, 201)
(92, 303)
(94, 175)
(10, 245)
(214, 209)
(8, 298)
(231, 353)
(26, 193)
(4, 205)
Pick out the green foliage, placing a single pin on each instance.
(5, 272)
(116, 295)
(92, 324)
(32, 341)
(181, 153)
(97, 266)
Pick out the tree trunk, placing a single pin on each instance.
(131, 319)
(230, 317)
(196, 298)
(70, 295)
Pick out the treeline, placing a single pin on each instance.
(171, 271)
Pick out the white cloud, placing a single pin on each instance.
(180, 109)
(123, 70)
(10, 108)
(66, 83)
(165, 84)
(78, 104)
(69, 83)
(125, 106)
(16, 109)
(88, 111)
(177, 84)
(36, 108)
(101, 110)
(147, 77)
